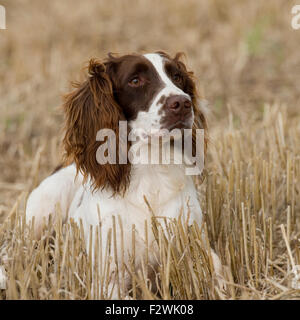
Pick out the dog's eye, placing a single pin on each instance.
(136, 82)
(177, 77)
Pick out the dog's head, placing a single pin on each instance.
(151, 92)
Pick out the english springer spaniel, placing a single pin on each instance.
(151, 92)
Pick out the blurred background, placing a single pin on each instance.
(244, 54)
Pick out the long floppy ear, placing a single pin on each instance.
(89, 108)
(199, 114)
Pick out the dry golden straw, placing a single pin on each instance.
(249, 70)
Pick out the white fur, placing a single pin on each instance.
(54, 194)
(3, 278)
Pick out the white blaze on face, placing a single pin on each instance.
(170, 89)
(149, 121)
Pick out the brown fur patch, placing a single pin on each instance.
(89, 108)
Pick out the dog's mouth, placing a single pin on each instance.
(181, 121)
(181, 124)
(175, 130)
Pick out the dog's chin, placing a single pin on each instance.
(175, 130)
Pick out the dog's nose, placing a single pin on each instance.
(179, 104)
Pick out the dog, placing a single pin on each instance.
(149, 93)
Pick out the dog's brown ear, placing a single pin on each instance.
(89, 108)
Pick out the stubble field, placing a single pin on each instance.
(245, 56)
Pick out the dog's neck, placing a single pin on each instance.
(160, 181)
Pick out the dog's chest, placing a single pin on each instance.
(163, 191)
